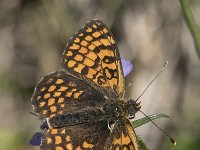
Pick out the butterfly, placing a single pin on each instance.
(83, 105)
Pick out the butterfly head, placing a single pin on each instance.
(132, 107)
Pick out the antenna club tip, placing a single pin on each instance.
(173, 141)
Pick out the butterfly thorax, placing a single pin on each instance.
(110, 111)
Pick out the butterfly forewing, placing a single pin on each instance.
(58, 93)
(92, 54)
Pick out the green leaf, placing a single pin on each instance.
(141, 144)
(192, 24)
(147, 119)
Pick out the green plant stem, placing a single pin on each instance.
(191, 24)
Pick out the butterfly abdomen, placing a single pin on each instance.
(71, 119)
(110, 111)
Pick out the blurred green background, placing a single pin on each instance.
(148, 32)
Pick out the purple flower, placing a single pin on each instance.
(36, 139)
(127, 66)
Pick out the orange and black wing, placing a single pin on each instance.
(79, 137)
(122, 137)
(93, 56)
(58, 93)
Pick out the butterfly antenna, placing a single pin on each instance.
(163, 68)
(34, 114)
(170, 138)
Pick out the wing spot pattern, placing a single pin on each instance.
(91, 73)
(72, 84)
(49, 140)
(42, 104)
(61, 100)
(52, 115)
(51, 101)
(108, 74)
(74, 47)
(54, 131)
(91, 47)
(69, 53)
(79, 68)
(71, 63)
(49, 80)
(88, 38)
(38, 97)
(69, 146)
(88, 62)
(92, 55)
(105, 42)
(53, 108)
(47, 95)
(52, 88)
(102, 54)
(87, 145)
(89, 30)
(81, 34)
(63, 131)
(58, 140)
(84, 43)
(105, 30)
(77, 40)
(68, 94)
(83, 50)
(101, 80)
(94, 26)
(59, 148)
(59, 81)
(97, 43)
(68, 138)
(62, 106)
(74, 90)
(43, 89)
(126, 140)
(78, 57)
(62, 88)
(77, 95)
(44, 112)
(96, 34)
(111, 40)
(57, 94)
(78, 148)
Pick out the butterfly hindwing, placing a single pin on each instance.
(80, 137)
(92, 54)
(58, 93)
(91, 136)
